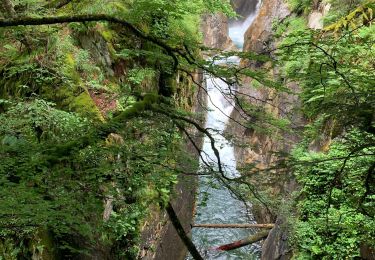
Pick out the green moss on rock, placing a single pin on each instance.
(85, 106)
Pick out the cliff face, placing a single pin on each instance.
(258, 38)
(159, 239)
(260, 31)
(215, 31)
(261, 146)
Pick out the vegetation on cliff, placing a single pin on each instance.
(95, 98)
(88, 140)
(334, 164)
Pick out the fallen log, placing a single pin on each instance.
(234, 226)
(243, 242)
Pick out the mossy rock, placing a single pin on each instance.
(85, 106)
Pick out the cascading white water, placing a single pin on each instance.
(215, 203)
(238, 29)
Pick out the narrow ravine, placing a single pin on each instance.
(215, 203)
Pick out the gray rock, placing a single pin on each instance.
(276, 245)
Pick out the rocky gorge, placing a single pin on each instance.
(171, 130)
(262, 150)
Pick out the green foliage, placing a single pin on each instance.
(342, 8)
(336, 74)
(337, 198)
(53, 124)
(360, 15)
(299, 6)
(335, 71)
(34, 194)
(137, 76)
(64, 195)
(60, 170)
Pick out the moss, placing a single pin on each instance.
(112, 51)
(150, 99)
(85, 106)
(70, 60)
(72, 96)
(69, 68)
(173, 85)
(107, 35)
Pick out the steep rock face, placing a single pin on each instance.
(315, 20)
(276, 246)
(261, 146)
(215, 31)
(160, 240)
(260, 31)
(259, 39)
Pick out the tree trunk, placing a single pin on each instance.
(244, 242)
(181, 233)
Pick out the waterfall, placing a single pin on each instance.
(215, 203)
(238, 28)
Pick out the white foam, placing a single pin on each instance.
(237, 30)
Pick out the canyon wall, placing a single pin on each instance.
(160, 240)
(263, 148)
(258, 38)
(215, 31)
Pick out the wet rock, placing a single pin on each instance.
(160, 240)
(244, 7)
(262, 147)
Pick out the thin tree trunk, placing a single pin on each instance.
(234, 225)
(181, 233)
(244, 242)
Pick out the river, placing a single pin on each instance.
(215, 203)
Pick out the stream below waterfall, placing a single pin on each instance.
(215, 203)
